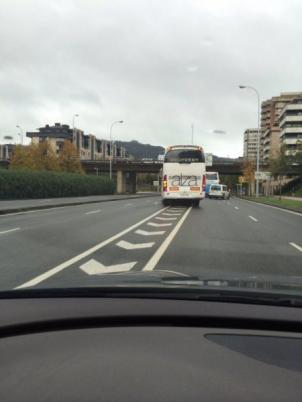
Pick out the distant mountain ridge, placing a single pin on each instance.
(140, 151)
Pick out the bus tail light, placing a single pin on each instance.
(204, 182)
(165, 183)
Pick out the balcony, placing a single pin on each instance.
(266, 148)
(291, 130)
(290, 119)
(290, 141)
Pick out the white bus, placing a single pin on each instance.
(183, 174)
(211, 178)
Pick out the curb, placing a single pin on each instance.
(69, 204)
(271, 205)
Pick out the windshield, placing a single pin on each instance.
(116, 119)
(215, 187)
(184, 156)
(211, 176)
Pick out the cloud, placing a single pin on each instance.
(160, 66)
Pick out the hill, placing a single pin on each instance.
(140, 151)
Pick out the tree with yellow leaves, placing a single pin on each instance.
(69, 160)
(35, 157)
(249, 174)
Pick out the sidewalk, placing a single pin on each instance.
(291, 198)
(11, 206)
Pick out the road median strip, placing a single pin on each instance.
(7, 211)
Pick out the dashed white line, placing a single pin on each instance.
(253, 219)
(151, 264)
(296, 246)
(236, 207)
(9, 230)
(66, 264)
(93, 212)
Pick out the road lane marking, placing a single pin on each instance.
(165, 219)
(126, 245)
(253, 219)
(151, 264)
(236, 207)
(146, 233)
(158, 224)
(173, 214)
(10, 230)
(273, 206)
(296, 246)
(93, 212)
(40, 278)
(93, 267)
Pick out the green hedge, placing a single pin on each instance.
(17, 184)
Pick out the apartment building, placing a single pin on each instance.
(6, 151)
(270, 131)
(250, 142)
(88, 146)
(290, 123)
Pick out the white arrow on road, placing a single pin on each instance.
(146, 233)
(132, 246)
(93, 267)
(165, 219)
(158, 224)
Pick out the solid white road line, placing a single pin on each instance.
(132, 246)
(9, 230)
(157, 225)
(146, 233)
(93, 267)
(151, 264)
(93, 212)
(165, 219)
(253, 219)
(66, 264)
(296, 246)
(236, 207)
(272, 206)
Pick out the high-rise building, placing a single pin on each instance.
(250, 144)
(290, 123)
(270, 130)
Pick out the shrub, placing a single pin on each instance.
(18, 184)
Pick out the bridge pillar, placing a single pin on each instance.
(131, 182)
(120, 182)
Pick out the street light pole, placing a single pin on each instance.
(73, 127)
(258, 136)
(111, 153)
(21, 131)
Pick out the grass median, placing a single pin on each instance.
(294, 205)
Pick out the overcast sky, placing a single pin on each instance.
(160, 65)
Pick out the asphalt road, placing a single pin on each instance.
(80, 245)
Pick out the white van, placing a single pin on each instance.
(219, 191)
(184, 174)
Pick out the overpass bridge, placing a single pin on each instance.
(125, 171)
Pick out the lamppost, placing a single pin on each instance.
(111, 150)
(258, 136)
(21, 131)
(73, 127)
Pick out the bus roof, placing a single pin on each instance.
(184, 146)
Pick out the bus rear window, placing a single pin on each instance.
(211, 176)
(184, 156)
